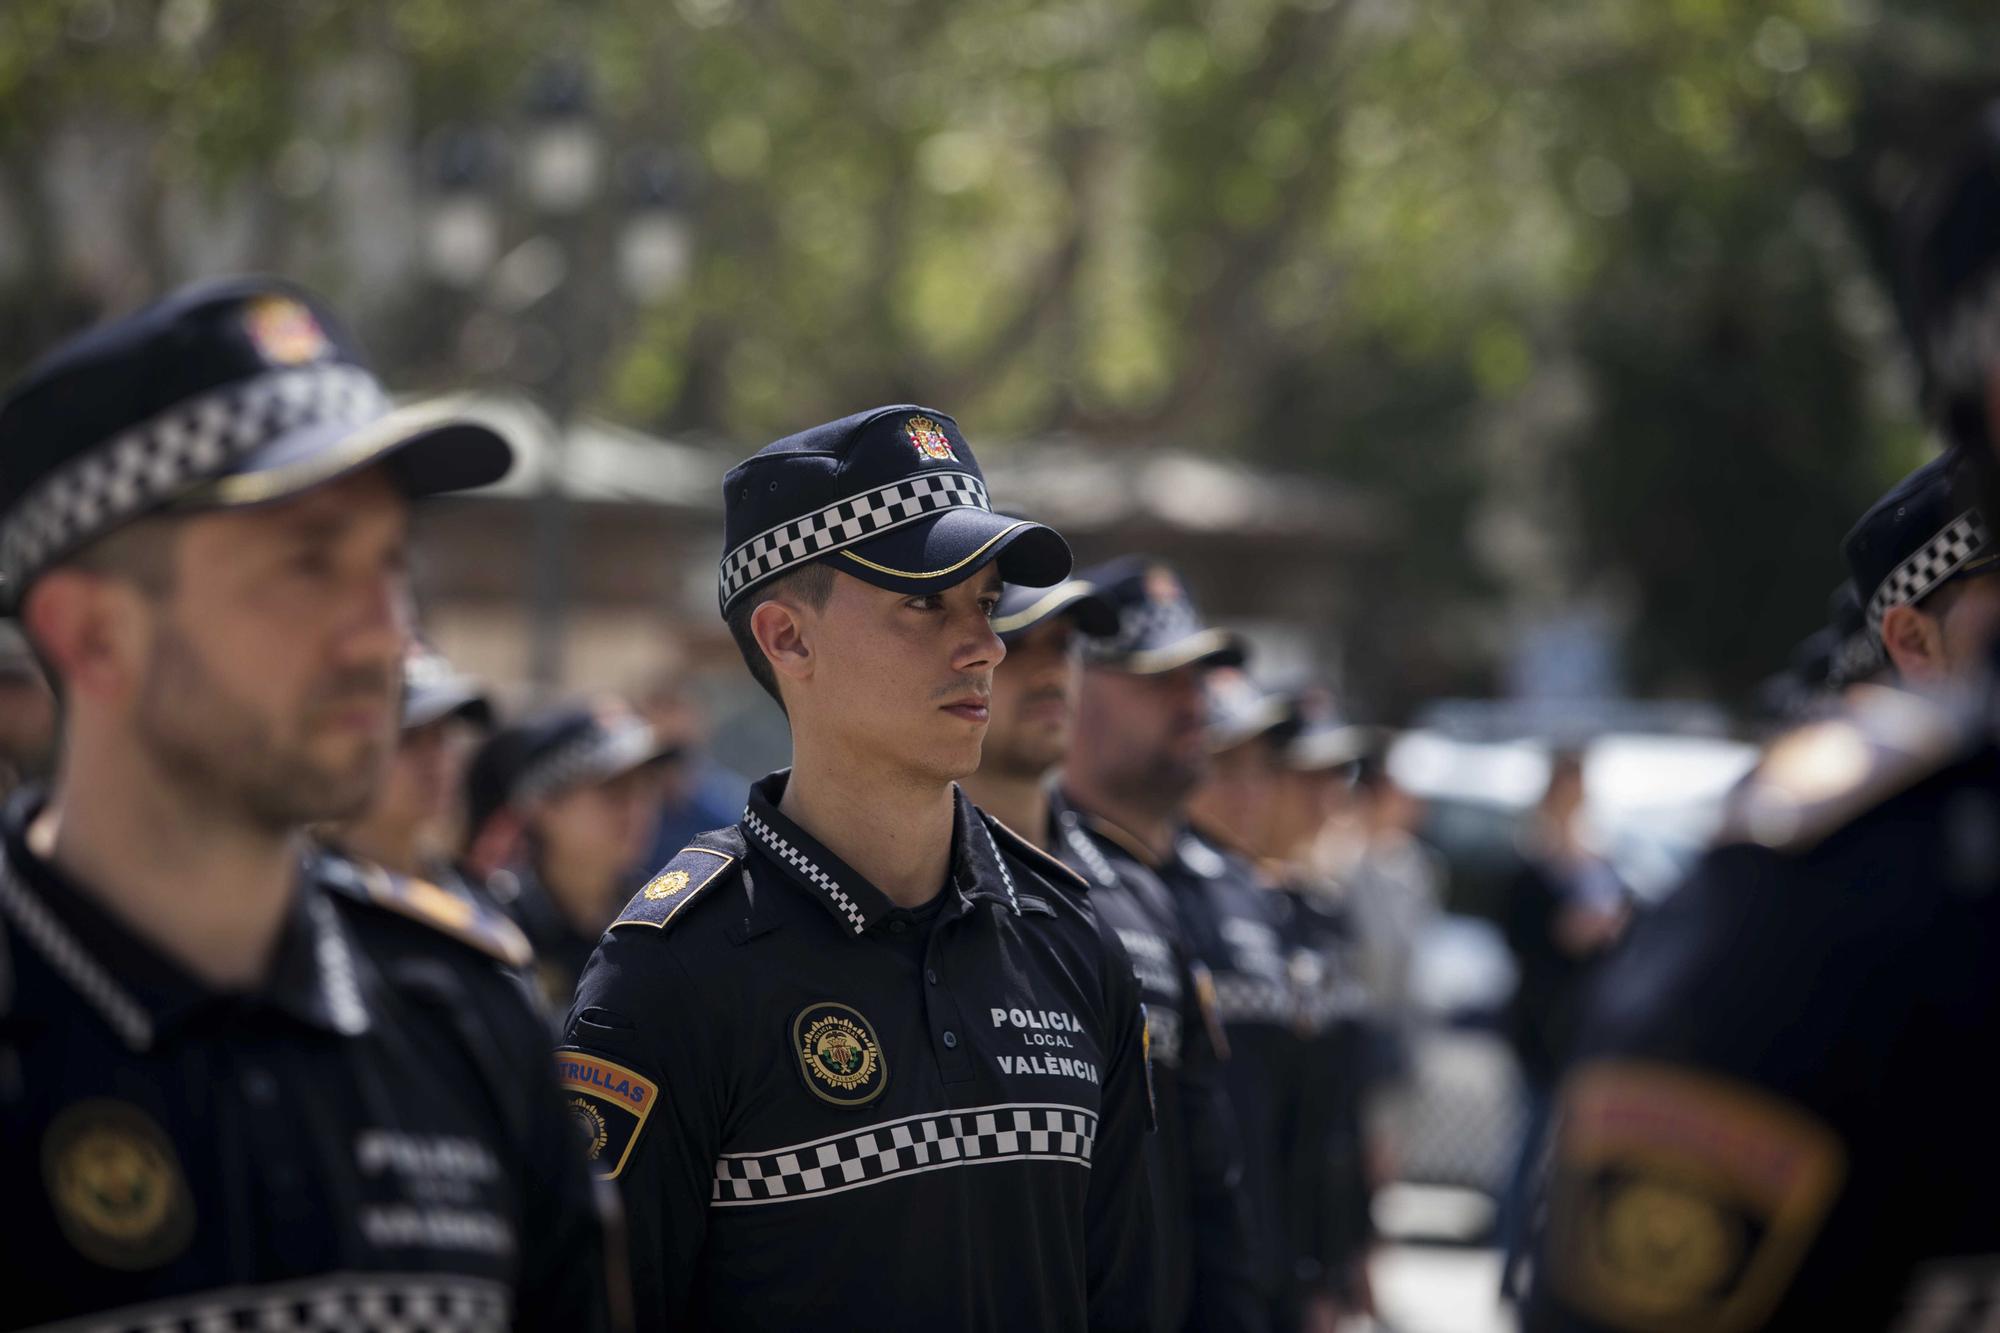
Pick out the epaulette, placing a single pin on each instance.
(1814, 781)
(1043, 863)
(695, 867)
(470, 923)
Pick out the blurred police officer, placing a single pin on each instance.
(1245, 806)
(579, 784)
(412, 824)
(1201, 1257)
(1925, 556)
(1141, 750)
(240, 1086)
(1782, 1116)
(867, 1058)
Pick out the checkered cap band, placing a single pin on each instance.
(335, 1303)
(937, 1141)
(780, 849)
(590, 757)
(779, 549)
(1956, 545)
(1145, 624)
(155, 461)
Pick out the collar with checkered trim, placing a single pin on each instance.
(140, 992)
(978, 872)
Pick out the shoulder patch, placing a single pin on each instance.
(1683, 1199)
(468, 922)
(609, 1105)
(1816, 780)
(678, 883)
(1041, 862)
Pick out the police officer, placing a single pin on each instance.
(241, 1086)
(1201, 1254)
(1244, 807)
(1141, 750)
(412, 824)
(1780, 1116)
(578, 785)
(868, 1058)
(1926, 558)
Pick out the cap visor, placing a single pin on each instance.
(1208, 647)
(429, 448)
(452, 699)
(1093, 615)
(942, 551)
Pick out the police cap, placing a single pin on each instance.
(1021, 609)
(1159, 628)
(228, 392)
(1914, 540)
(892, 496)
(433, 689)
(557, 751)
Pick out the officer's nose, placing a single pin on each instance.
(981, 649)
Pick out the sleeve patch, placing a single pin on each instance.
(609, 1105)
(677, 885)
(1683, 1200)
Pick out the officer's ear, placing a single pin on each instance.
(1915, 643)
(779, 626)
(90, 628)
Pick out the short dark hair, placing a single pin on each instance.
(810, 584)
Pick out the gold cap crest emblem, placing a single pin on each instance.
(929, 438)
(284, 331)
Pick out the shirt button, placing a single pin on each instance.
(950, 1040)
(930, 975)
(898, 927)
(260, 1087)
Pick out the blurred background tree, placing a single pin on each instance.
(1596, 291)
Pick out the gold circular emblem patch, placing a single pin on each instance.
(1667, 1249)
(667, 885)
(838, 1054)
(590, 1122)
(116, 1185)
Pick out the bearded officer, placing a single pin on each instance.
(1781, 1112)
(868, 1058)
(241, 1085)
(1201, 1256)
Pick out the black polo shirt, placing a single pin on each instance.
(826, 1112)
(368, 1140)
(1234, 928)
(1202, 1266)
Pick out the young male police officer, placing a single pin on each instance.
(1141, 750)
(867, 1059)
(1201, 1254)
(1781, 1110)
(241, 1086)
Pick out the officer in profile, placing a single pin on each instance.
(868, 1058)
(242, 1085)
(411, 825)
(1202, 1273)
(1926, 558)
(1779, 1116)
(1142, 749)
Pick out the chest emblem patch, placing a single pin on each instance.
(116, 1185)
(839, 1056)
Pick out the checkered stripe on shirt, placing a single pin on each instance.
(335, 1303)
(1242, 999)
(771, 841)
(153, 462)
(843, 524)
(978, 1136)
(1955, 545)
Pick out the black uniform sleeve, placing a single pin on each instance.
(1224, 1295)
(1118, 1223)
(653, 1078)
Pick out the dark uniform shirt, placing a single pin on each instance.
(369, 1140)
(826, 1112)
(1202, 1267)
(1782, 1112)
(560, 950)
(1234, 928)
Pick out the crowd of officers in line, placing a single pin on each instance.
(924, 1038)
